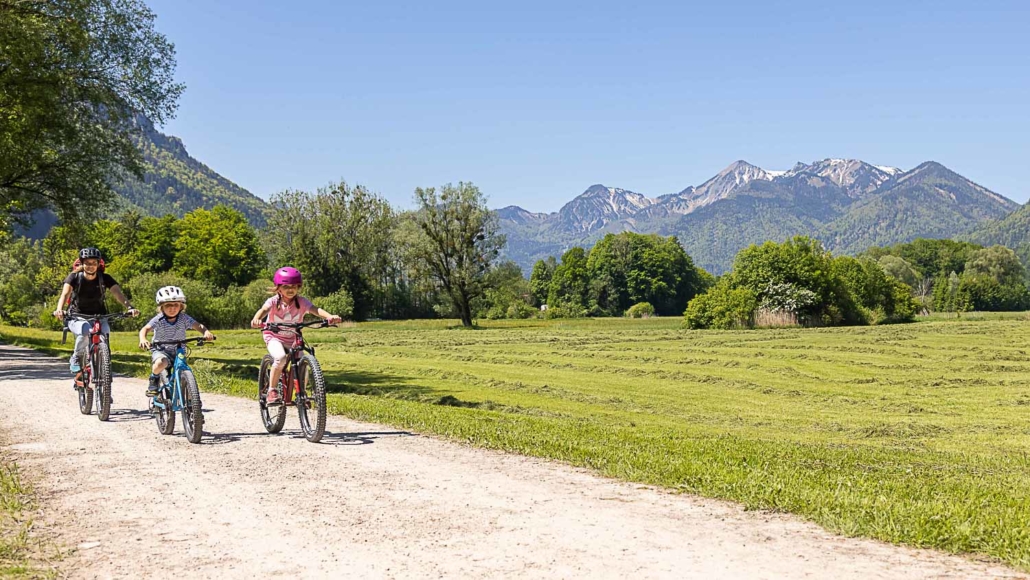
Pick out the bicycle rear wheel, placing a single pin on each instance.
(273, 417)
(192, 415)
(85, 396)
(311, 403)
(102, 374)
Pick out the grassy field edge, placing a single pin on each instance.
(19, 553)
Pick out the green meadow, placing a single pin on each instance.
(916, 434)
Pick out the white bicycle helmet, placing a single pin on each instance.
(170, 294)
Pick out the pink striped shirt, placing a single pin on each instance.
(281, 310)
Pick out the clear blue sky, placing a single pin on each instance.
(535, 101)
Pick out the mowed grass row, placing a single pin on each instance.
(916, 434)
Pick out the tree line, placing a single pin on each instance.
(360, 257)
(799, 282)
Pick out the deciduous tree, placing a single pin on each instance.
(74, 76)
(456, 241)
(219, 247)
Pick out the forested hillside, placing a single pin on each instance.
(177, 183)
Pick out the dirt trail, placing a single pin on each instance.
(375, 502)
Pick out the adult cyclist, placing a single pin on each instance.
(88, 289)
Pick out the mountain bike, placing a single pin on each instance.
(96, 366)
(301, 385)
(179, 393)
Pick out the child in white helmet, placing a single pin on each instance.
(170, 324)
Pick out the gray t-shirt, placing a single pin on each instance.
(165, 330)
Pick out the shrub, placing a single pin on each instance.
(565, 310)
(340, 303)
(787, 297)
(640, 310)
(722, 307)
(521, 310)
(199, 296)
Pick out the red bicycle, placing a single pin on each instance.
(96, 366)
(301, 385)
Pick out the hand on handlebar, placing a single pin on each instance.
(255, 323)
(208, 335)
(132, 312)
(333, 319)
(59, 314)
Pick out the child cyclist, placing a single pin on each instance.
(170, 324)
(286, 306)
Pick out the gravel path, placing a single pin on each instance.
(375, 502)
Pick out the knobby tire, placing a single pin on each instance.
(192, 414)
(312, 421)
(102, 372)
(274, 418)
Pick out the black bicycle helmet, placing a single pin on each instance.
(90, 254)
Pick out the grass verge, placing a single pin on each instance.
(17, 554)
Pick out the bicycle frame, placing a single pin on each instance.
(176, 399)
(292, 387)
(179, 365)
(95, 336)
(293, 356)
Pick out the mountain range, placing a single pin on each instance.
(848, 204)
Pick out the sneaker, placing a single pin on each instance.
(153, 387)
(273, 397)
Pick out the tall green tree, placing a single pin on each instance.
(540, 279)
(899, 268)
(570, 285)
(456, 240)
(800, 263)
(339, 237)
(219, 247)
(74, 76)
(629, 268)
(154, 250)
(997, 263)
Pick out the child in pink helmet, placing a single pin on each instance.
(285, 306)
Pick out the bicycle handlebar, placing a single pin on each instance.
(78, 316)
(197, 339)
(275, 326)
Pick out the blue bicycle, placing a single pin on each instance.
(180, 393)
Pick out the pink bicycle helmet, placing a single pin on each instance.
(287, 275)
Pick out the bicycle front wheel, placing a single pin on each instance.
(102, 374)
(273, 417)
(164, 414)
(192, 415)
(311, 403)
